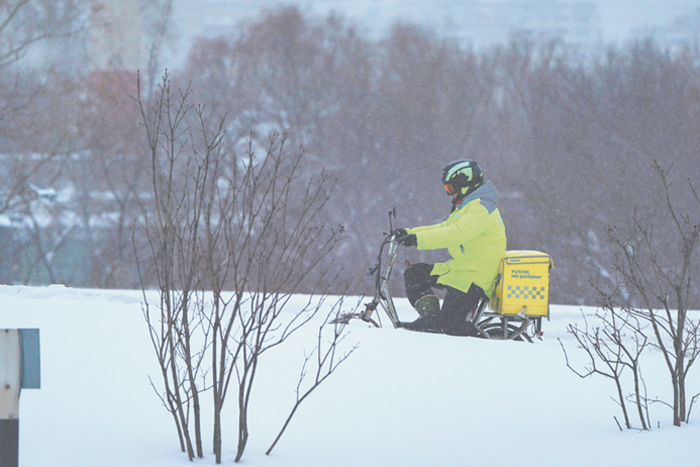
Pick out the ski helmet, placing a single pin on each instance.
(462, 177)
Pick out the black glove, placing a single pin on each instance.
(407, 240)
(399, 233)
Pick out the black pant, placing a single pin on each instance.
(457, 304)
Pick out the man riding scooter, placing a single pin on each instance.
(474, 236)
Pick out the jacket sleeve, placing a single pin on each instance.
(460, 228)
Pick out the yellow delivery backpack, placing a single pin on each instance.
(523, 284)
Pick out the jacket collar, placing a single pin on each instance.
(487, 190)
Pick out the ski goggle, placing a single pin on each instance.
(449, 189)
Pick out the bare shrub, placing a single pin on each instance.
(648, 303)
(231, 240)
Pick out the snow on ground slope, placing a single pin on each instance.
(402, 398)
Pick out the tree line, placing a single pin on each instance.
(569, 140)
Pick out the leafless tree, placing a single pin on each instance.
(613, 345)
(158, 36)
(576, 140)
(661, 287)
(26, 25)
(27, 28)
(648, 304)
(108, 177)
(278, 242)
(172, 228)
(231, 240)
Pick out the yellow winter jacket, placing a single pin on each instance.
(475, 237)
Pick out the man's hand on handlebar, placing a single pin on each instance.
(407, 240)
(404, 238)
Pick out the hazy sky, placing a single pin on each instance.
(620, 17)
(620, 20)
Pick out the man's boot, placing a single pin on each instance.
(428, 307)
(458, 327)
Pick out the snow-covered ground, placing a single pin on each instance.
(401, 399)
